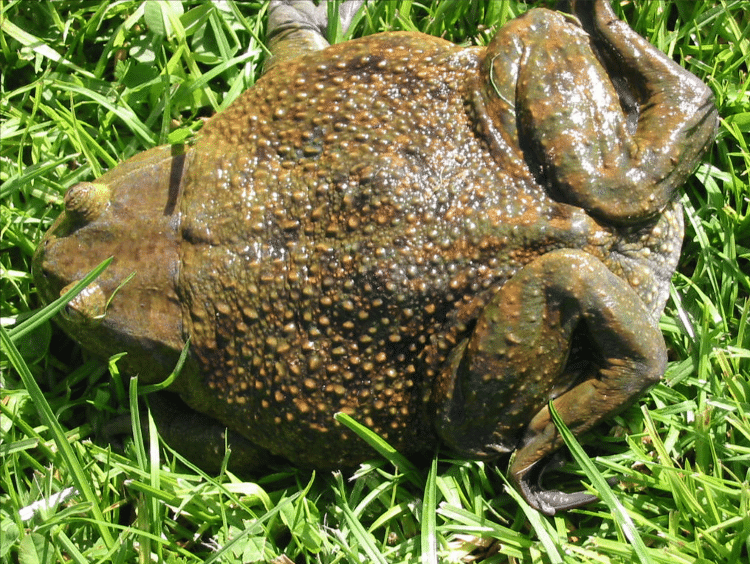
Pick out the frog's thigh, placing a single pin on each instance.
(620, 165)
(515, 362)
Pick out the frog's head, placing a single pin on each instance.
(131, 214)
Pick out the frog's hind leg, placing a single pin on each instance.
(297, 27)
(611, 123)
(516, 361)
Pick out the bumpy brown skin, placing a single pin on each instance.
(412, 233)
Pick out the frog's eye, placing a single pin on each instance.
(87, 200)
(88, 307)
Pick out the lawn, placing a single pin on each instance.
(87, 84)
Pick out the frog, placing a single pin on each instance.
(438, 241)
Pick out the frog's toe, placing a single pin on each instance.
(547, 501)
(550, 502)
(298, 13)
(297, 27)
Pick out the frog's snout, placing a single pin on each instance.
(130, 214)
(63, 258)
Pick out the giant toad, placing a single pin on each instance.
(435, 240)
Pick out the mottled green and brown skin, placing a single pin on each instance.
(409, 232)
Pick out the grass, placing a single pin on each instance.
(85, 85)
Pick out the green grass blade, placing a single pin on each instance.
(539, 524)
(70, 459)
(364, 538)
(48, 312)
(622, 519)
(428, 540)
(38, 45)
(382, 447)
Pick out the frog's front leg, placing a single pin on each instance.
(516, 361)
(608, 122)
(298, 27)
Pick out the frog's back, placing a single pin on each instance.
(350, 222)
